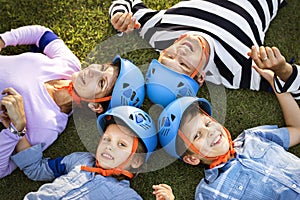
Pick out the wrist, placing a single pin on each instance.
(14, 130)
(285, 72)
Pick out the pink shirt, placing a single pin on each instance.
(27, 73)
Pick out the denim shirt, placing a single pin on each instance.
(262, 169)
(69, 181)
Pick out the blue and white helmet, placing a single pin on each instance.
(137, 120)
(164, 85)
(169, 121)
(129, 88)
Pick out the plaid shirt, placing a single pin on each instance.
(262, 169)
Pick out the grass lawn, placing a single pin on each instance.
(84, 25)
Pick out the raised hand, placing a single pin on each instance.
(124, 22)
(163, 192)
(267, 58)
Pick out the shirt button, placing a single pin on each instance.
(241, 187)
(267, 171)
(262, 149)
(294, 186)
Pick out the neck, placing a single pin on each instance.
(60, 96)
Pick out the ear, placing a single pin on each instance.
(201, 78)
(191, 159)
(96, 107)
(137, 161)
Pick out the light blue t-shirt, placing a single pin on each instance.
(70, 182)
(262, 169)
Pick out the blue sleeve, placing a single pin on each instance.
(272, 133)
(57, 167)
(46, 38)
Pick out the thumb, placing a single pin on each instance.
(137, 25)
(259, 70)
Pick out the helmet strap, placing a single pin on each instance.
(77, 99)
(115, 171)
(205, 54)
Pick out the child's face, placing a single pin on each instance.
(206, 135)
(183, 55)
(114, 147)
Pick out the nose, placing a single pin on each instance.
(108, 147)
(207, 131)
(181, 51)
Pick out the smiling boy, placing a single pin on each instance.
(256, 165)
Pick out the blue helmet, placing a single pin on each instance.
(129, 88)
(164, 85)
(137, 120)
(169, 121)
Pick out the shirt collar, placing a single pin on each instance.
(212, 174)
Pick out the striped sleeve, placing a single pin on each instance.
(291, 85)
(125, 6)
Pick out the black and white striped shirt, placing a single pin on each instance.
(231, 27)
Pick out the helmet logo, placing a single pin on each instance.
(142, 120)
(183, 90)
(129, 94)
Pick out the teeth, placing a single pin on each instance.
(216, 140)
(107, 156)
(83, 77)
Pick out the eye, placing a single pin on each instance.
(122, 144)
(197, 136)
(106, 139)
(207, 123)
(101, 83)
(184, 65)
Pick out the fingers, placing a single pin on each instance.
(12, 106)
(163, 192)
(124, 22)
(9, 90)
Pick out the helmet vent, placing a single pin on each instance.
(165, 132)
(152, 70)
(124, 101)
(125, 85)
(136, 102)
(145, 126)
(131, 117)
(173, 117)
(132, 95)
(180, 84)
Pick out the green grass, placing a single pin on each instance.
(83, 24)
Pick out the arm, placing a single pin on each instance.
(37, 168)
(163, 192)
(289, 106)
(45, 41)
(12, 112)
(286, 77)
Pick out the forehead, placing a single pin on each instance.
(192, 123)
(116, 130)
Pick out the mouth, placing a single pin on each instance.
(83, 78)
(216, 141)
(107, 156)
